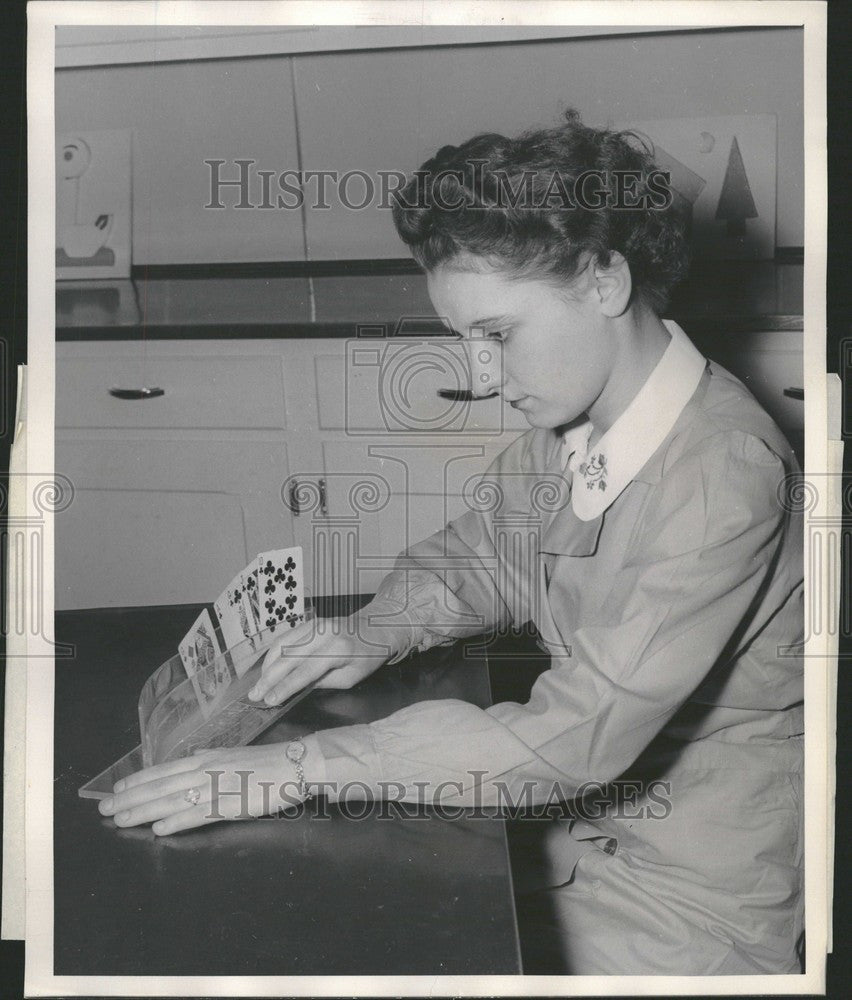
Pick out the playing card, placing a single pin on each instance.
(250, 598)
(237, 611)
(281, 589)
(207, 670)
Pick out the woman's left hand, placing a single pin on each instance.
(212, 785)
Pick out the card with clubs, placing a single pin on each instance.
(237, 611)
(251, 598)
(281, 591)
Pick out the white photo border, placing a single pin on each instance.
(43, 17)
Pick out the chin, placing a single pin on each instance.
(536, 420)
(552, 422)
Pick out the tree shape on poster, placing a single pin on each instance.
(735, 201)
(685, 184)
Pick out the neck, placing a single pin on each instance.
(640, 340)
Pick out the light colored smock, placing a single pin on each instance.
(664, 574)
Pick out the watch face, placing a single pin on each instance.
(295, 751)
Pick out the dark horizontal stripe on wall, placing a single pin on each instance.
(276, 269)
(242, 331)
(696, 326)
(329, 268)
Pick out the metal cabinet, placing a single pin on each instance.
(177, 452)
(254, 445)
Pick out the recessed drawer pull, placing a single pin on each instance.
(136, 393)
(293, 497)
(463, 395)
(794, 392)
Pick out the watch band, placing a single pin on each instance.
(295, 753)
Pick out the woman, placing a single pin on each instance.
(667, 585)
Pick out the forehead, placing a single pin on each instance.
(469, 298)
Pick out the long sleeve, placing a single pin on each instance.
(701, 560)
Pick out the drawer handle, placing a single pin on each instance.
(298, 492)
(463, 395)
(794, 392)
(293, 497)
(136, 393)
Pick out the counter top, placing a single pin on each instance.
(251, 301)
(323, 893)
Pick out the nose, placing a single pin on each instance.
(486, 365)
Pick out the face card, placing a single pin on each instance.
(207, 670)
(281, 591)
(251, 599)
(232, 609)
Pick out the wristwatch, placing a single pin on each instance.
(295, 752)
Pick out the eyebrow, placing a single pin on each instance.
(488, 321)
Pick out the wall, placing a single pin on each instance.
(392, 108)
(417, 104)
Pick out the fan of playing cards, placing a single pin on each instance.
(199, 697)
(267, 596)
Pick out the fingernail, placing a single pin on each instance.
(122, 817)
(253, 694)
(118, 786)
(158, 827)
(107, 804)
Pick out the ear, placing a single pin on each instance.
(613, 285)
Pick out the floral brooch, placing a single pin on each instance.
(594, 472)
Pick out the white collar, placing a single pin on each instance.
(600, 476)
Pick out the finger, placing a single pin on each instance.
(153, 773)
(298, 636)
(294, 642)
(301, 640)
(186, 819)
(150, 791)
(297, 681)
(160, 808)
(287, 665)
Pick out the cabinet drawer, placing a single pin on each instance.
(158, 521)
(202, 388)
(392, 386)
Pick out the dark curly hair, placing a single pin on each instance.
(508, 202)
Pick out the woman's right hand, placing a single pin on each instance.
(327, 652)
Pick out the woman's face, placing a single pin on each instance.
(557, 352)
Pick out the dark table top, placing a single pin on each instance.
(386, 895)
